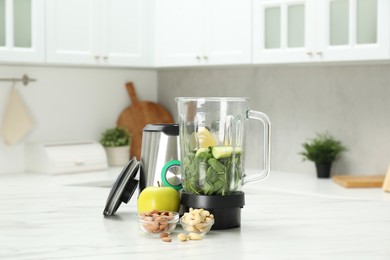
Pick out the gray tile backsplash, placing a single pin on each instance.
(351, 102)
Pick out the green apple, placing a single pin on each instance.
(158, 198)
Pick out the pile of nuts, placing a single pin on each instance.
(157, 221)
(197, 221)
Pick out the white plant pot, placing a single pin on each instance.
(118, 156)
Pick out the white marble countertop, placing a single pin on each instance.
(287, 216)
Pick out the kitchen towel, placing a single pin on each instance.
(386, 183)
(17, 121)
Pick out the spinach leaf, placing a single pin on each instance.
(204, 174)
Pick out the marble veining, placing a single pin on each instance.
(287, 216)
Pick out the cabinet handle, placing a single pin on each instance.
(105, 57)
(309, 53)
(198, 57)
(97, 57)
(205, 57)
(319, 53)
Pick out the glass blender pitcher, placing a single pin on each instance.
(212, 134)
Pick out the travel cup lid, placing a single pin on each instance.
(123, 188)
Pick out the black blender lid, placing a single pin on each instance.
(123, 188)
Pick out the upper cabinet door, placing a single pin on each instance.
(126, 29)
(21, 31)
(282, 31)
(199, 32)
(227, 32)
(321, 30)
(353, 29)
(179, 32)
(73, 31)
(101, 32)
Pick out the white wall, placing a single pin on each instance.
(351, 102)
(70, 103)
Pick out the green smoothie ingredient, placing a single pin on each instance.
(213, 171)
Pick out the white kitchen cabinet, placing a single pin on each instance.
(21, 31)
(203, 32)
(281, 31)
(103, 32)
(320, 30)
(354, 30)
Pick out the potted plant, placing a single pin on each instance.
(323, 150)
(117, 142)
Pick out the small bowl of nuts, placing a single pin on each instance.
(198, 221)
(155, 222)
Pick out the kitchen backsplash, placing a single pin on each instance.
(70, 103)
(351, 102)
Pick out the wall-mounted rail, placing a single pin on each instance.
(24, 79)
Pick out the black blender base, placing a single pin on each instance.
(226, 209)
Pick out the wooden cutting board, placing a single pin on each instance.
(359, 181)
(139, 114)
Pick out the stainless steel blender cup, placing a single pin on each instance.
(160, 163)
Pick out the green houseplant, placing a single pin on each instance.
(117, 142)
(323, 150)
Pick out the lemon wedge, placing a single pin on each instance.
(225, 151)
(205, 138)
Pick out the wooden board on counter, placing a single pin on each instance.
(359, 181)
(137, 115)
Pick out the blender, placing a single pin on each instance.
(212, 134)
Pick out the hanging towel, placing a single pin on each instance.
(17, 121)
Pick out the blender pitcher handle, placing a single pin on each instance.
(252, 114)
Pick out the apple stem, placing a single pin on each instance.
(158, 183)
